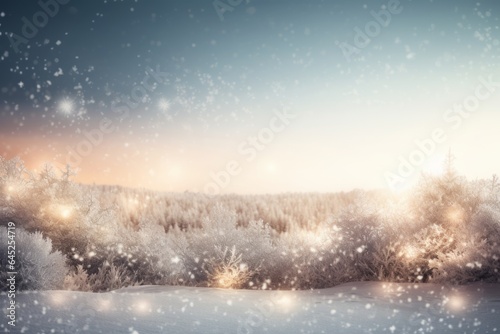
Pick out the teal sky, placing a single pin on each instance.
(222, 82)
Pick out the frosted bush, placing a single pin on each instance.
(447, 230)
(38, 266)
(77, 280)
(201, 249)
(111, 277)
(227, 270)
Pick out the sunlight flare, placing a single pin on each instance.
(66, 106)
(455, 214)
(62, 211)
(410, 252)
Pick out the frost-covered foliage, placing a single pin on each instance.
(446, 230)
(221, 245)
(69, 214)
(458, 229)
(227, 270)
(38, 266)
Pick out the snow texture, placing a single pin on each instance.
(361, 307)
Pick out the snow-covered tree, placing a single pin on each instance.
(38, 266)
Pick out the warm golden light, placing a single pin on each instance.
(142, 307)
(455, 214)
(284, 301)
(228, 279)
(318, 238)
(410, 252)
(133, 202)
(58, 299)
(12, 187)
(455, 303)
(66, 212)
(63, 211)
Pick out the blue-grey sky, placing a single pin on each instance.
(186, 88)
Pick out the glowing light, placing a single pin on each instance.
(410, 252)
(58, 299)
(63, 211)
(66, 212)
(455, 303)
(66, 106)
(231, 276)
(11, 189)
(271, 168)
(104, 305)
(133, 202)
(284, 301)
(227, 279)
(317, 238)
(142, 307)
(164, 104)
(455, 214)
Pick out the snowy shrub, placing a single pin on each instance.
(227, 270)
(157, 261)
(77, 280)
(470, 263)
(38, 266)
(387, 263)
(15, 183)
(446, 230)
(111, 277)
(302, 259)
(145, 256)
(359, 234)
(200, 250)
(486, 223)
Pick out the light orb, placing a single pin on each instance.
(66, 106)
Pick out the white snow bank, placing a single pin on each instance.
(365, 307)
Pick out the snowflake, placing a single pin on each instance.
(66, 106)
(164, 105)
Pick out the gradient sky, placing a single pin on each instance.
(222, 82)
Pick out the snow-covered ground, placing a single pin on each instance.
(365, 307)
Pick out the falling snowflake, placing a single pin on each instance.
(66, 106)
(164, 105)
